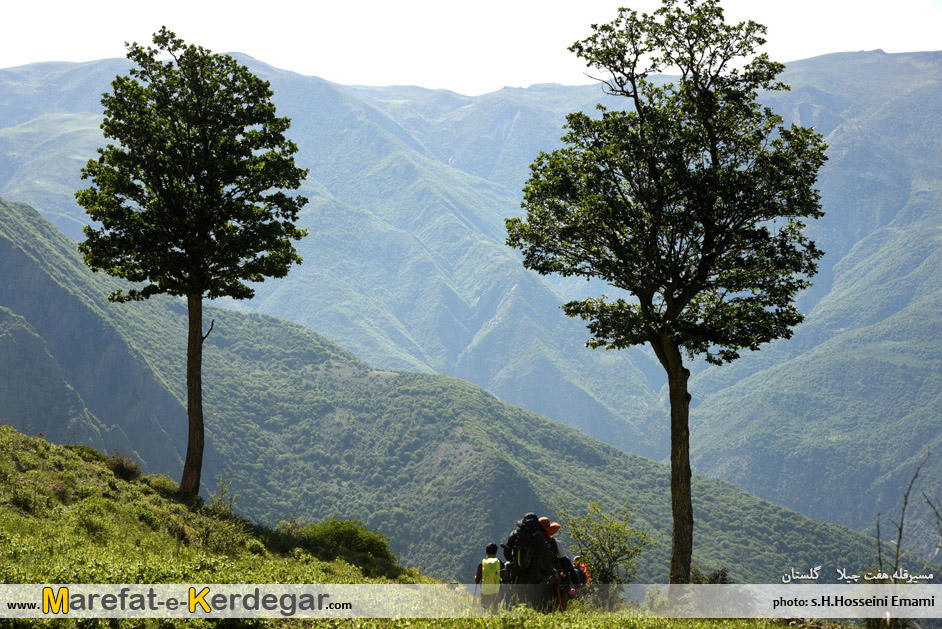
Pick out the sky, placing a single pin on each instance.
(467, 47)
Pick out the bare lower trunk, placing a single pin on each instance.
(192, 467)
(681, 503)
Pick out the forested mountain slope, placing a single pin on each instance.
(405, 265)
(304, 428)
(835, 420)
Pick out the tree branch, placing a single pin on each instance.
(212, 323)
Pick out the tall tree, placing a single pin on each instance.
(692, 201)
(191, 201)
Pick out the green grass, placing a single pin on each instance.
(65, 517)
(572, 619)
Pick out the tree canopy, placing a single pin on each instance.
(190, 200)
(606, 541)
(693, 201)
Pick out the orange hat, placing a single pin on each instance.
(553, 528)
(545, 523)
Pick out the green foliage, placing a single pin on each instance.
(139, 547)
(349, 540)
(699, 575)
(405, 259)
(87, 453)
(223, 499)
(693, 201)
(406, 188)
(302, 426)
(190, 198)
(353, 542)
(606, 541)
(111, 530)
(123, 466)
(25, 499)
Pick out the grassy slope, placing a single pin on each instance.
(302, 427)
(65, 517)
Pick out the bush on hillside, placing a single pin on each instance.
(223, 500)
(352, 541)
(123, 466)
(86, 453)
(349, 540)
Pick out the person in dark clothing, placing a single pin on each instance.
(558, 591)
(531, 562)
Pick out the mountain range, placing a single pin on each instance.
(301, 429)
(405, 266)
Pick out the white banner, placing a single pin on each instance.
(458, 601)
(791, 601)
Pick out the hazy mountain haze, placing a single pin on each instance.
(405, 265)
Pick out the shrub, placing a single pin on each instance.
(149, 518)
(226, 536)
(25, 499)
(606, 540)
(709, 577)
(255, 547)
(123, 466)
(223, 500)
(87, 453)
(352, 541)
(92, 516)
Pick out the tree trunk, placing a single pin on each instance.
(192, 467)
(681, 504)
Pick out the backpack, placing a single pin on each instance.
(517, 555)
(527, 554)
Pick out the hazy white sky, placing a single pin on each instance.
(468, 47)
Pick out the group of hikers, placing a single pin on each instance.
(535, 570)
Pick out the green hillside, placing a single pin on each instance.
(406, 268)
(834, 421)
(70, 514)
(302, 427)
(66, 517)
(53, 303)
(35, 390)
(406, 265)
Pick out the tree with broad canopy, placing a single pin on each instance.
(693, 201)
(190, 200)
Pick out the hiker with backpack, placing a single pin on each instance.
(562, 588)
(582, 576)
(530, 562)
(489, 577)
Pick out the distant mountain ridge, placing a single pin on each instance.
(834, 421)
(303, 428)
(414, 277)
(405, 265)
